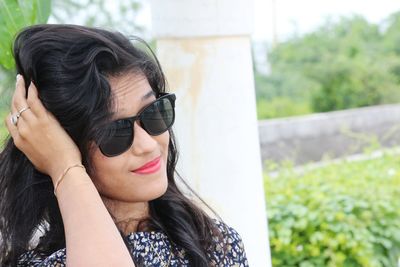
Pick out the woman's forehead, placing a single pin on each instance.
(130, 92)
(124, 84)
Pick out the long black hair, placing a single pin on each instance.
(70, 65)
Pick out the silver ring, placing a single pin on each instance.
(22, 110)
(15, 117)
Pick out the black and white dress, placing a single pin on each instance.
(148, 247)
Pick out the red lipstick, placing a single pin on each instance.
(150, 167)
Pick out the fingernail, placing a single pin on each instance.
(17, 77)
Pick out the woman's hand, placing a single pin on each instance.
(39, 135)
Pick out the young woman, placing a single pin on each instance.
(87, 177)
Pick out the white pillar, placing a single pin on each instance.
(204, 49)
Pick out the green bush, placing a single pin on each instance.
(281, 107)
(345, 214)
(283, 96)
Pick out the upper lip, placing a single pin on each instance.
(148, 164)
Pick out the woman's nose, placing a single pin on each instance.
(142, 142)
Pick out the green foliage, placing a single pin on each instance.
(344, 214)
(14, 15)
(350, 84)
(392, 34)
(281, 95)
(281, 107)
(344, 64)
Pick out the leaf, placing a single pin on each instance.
(26, 8)
(15, 15)
(43, 8)
(11, 14)
(11, 20)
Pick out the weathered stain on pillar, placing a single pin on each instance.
(189, 82)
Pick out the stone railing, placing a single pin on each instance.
(329, 135)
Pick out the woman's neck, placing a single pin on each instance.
(127, 215)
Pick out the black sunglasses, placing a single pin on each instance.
(155, 118)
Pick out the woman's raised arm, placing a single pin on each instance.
(92, 239)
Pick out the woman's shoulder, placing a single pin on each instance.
(229, 249)
(32, 258)
(229, 233)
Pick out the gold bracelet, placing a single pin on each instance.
(63, 175)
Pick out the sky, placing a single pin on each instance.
(302, 16)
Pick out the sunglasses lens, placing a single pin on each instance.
(159, 117)
(154, 119)
(121, 139)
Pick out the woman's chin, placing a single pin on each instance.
(148, 192)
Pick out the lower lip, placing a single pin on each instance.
(151, 169)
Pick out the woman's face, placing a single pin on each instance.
(115, 177)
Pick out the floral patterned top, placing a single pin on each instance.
(155, 249)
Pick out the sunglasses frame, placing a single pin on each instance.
(170, 96)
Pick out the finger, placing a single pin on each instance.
(19, 99)
(12, 107)
(28, 116)
(20, 90)
(23, 128)
(34, 102)
(25, 122)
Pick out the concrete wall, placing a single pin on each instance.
(333, 134)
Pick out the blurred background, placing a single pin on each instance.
(327, 86)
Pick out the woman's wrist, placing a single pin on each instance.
(73, 178)
(56, 170)
(65, 172)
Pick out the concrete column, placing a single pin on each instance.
(204, 49)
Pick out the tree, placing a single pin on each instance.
(343, 64)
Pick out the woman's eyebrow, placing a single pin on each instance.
(148, 95)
